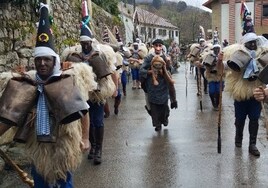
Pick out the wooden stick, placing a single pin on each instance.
(220, 110)
(23, 175)
(186, 80)
(199, 88)
(219, 116)
(265, 116)
(264, 112)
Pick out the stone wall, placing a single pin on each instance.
(18, 29)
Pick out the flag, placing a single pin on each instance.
(246, 20)
(84, 8)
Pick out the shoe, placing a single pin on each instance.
(238, 144)
(166, 123)
(216, 108)
(91, 153)
(253, 150)
(116, 111)
(106, 115)
(133, 87)
(158, 128)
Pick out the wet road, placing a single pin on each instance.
(183, 154)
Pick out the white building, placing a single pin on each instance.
(149, 25)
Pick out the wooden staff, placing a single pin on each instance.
(199, 88)
(220, 108)
(23, 175)
(264, 111)
(186, 80)
(265, 117)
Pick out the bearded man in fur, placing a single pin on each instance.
(241, 80)
(54, 147)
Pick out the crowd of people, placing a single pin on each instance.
(100, 72)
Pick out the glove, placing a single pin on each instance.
(174, 105)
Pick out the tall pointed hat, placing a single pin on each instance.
(44, 33)
(246, 19)
(105, 35)
(44, 39)
(248, 32)
(86, 33)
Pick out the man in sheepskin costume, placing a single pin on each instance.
(241, 80)
(57, 137)
(158, 89)
(102, 59)
(214, 74)
(195, 59)
(138, 52)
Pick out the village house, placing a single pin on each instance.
(226, 16)
(148, 25)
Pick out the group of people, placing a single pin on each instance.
(66, 122)
(61, 133)
(234, 69)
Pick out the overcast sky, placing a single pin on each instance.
(196, 3)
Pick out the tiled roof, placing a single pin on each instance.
(208, 3)
(145, 16)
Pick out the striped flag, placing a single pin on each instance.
(246, 20)
(84, 8)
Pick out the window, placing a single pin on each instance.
(177, 33)
(160, 31)
(265, 11)
(143, 30)
(149, 32)
(154, 34)
(164, 32)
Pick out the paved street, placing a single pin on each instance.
(184, 154)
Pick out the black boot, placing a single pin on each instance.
(93, 143)
(99, 141)
(239, 128)
(212, 98)
(117, 102)
(205, 85)
(124, 91)
(253, 131)
(217, 99)
(106, 110)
